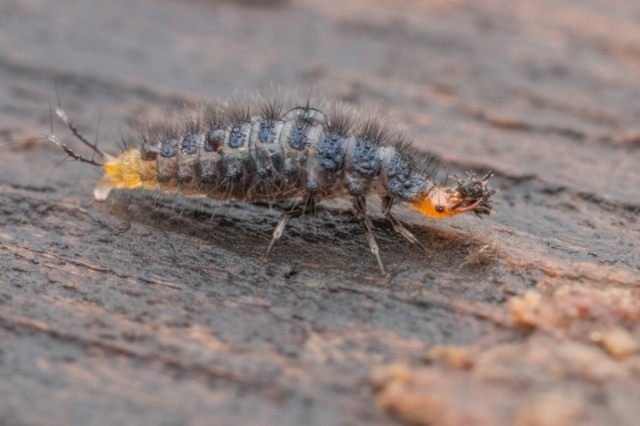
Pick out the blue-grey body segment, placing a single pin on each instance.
(331, 151)
(168, 148)
(209, 170)
(239, 134)
(187, 158)
(365, 158)
(214, 140)
(267, 131)
(402, 180)
(166, 163)
(189, 144)
(298, 136)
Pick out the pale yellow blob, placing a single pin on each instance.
(126, 171)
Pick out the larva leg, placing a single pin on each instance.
(297, 210)
(360, 211)
(387, 203)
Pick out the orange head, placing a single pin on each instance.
(471, 194)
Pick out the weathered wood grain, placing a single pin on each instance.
(162, 311)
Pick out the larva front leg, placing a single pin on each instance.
(298, 209)
(360, 211)
(387, 204)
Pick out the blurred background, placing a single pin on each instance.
(529, 316)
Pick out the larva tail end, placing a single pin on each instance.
(102, 190)
(470, 194)
(126, 171)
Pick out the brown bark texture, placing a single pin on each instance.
(161, 310)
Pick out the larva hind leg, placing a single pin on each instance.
(387, 203)
(360, 211)
(297, 210)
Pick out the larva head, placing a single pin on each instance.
(126, 171)
(471, 194)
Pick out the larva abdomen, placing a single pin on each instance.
(291, 155)
(263, 157)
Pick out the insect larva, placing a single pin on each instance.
(302, 153)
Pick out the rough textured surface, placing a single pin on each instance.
(162, 311)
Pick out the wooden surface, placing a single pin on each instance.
(161, 311)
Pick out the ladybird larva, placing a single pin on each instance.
(300, 153)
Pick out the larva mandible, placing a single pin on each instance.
(274, 153)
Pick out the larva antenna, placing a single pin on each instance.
(71, 153)
(65, 119)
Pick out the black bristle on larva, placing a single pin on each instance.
(214, 117)
(372, 131)
(169, 130)
(192, 125)
(426, 163)
(270, 109)
(339, 120)
(237, 113)
(149, 145)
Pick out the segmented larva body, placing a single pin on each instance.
(302, 153)
(269, 156)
